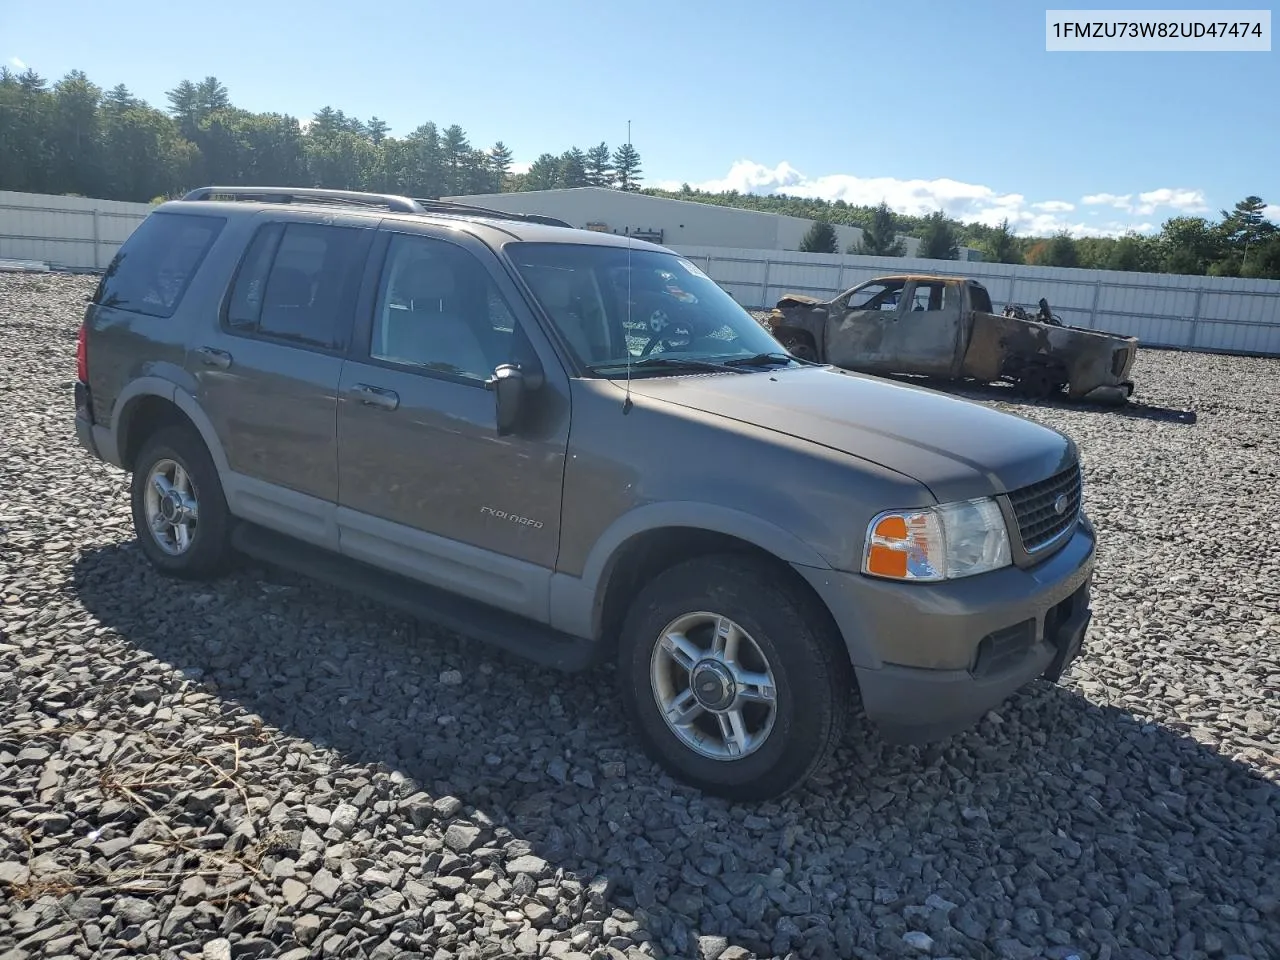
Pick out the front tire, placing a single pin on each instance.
(800, 346)
(734, 682)
(180, 514)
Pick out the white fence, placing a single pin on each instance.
(1212, 314)
(75, 233)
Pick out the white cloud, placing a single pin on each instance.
(968, 202)
(1272, 212)
(1107, 199)
(523, 167)
(1181, 201)
(17, 64)
(1178, 201)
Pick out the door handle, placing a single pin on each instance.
(376, 396)
(214, 358)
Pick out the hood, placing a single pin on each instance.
(798, 300)
(957, 448)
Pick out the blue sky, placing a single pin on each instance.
(924, 104)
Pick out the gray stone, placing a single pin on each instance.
(132, 910)
(712, 948)
(534, 866)
(918, 941)
(325, 884)
(462, 837)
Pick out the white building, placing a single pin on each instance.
(673, 223)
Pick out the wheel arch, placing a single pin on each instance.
(151, 403)
(787, 331)
(654, 538)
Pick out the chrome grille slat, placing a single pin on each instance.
(1039, 525)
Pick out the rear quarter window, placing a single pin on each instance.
(152, 270)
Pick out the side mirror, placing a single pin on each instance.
(510, 385)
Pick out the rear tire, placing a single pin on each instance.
(781, 667)
(1040, 382)
(180, 513)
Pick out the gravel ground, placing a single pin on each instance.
(260, 767)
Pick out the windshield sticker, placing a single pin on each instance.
(688, 265)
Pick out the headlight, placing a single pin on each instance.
(937, 543)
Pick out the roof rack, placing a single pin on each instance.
(453, 206)
(392, 202)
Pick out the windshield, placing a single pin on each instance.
(609, 303)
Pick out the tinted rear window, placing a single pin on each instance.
(298, 282)
(154, 267)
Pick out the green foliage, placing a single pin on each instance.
(1190, 245)
(573, 168)
(599, 165)
(879, 237)
(1001, 246)
(1134, 253)
(820, 238)
(1176, 249)
(939, 241)
(626, 165)
(500, 163)
(75, 138)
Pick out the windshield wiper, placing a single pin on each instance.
(763, 360)
(673, 363)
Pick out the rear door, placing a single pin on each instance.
(268, 370)
(427, 487)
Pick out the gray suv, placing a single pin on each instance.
(577, 446)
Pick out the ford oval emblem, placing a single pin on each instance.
(1060, 504)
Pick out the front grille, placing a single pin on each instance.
(1039, 523)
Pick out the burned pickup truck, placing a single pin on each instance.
(945, 327)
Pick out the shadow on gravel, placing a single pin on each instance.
(1057, 828)
(1005, 393)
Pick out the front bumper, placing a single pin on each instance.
(931, 659)
(1118, 393)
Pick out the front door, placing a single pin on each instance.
(267, 371)
(427, 487)
(901, 326)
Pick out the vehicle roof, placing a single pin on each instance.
(495, 229)
(921, 276)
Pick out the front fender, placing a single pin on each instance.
(577, 601)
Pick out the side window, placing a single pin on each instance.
(927, 296)
(298, 282)
(878, 296)
(439, 309)
(154, 267)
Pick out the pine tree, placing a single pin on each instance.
(880, 238)
(500, 163)
(544, 173)
(821, 238)
(573, 168)
(377, 130)
(939, 240)
(626, 163)
(599, 165)
(1002, 246)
